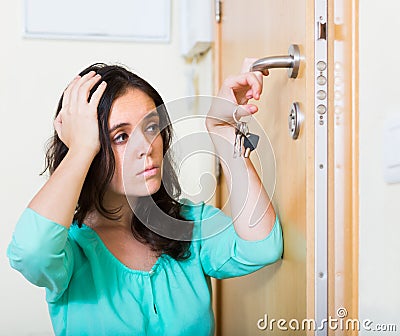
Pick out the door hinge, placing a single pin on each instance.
(218, 11)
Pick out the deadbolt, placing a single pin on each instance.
(295, 120)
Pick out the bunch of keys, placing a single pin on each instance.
(243, 138)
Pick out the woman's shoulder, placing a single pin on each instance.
(208, 219)
(198, 211)
(81, 234)
(190, 210)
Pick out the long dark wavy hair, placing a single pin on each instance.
(159, 210)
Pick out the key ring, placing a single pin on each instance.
(241, 126)
(234, 115)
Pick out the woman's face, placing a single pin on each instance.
(137, 145)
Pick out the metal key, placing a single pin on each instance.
(240, 133)
(237, 146)
(250, 143)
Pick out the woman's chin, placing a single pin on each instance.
(150, 188)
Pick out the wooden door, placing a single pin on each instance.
(286, 290)
(260, 28)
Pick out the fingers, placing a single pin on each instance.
(67, 92)
(58, 125)
(86, 86)
(245, 86)
(95, 99)
(245, 110)
(255, 82)
(83, 82)
(78, 91)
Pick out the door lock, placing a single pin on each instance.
(295, 120)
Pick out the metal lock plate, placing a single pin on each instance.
(295, 118)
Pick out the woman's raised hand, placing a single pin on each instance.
(77, 124)
(235, 90)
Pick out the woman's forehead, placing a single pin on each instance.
(132, 107)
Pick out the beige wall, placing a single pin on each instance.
(379, 269)
(32, 76)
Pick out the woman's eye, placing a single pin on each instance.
(120, 138)
(153, 128)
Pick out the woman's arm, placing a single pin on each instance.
(40, 248)
(77, 127)
(252, 211)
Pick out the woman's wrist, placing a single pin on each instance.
(82, 156)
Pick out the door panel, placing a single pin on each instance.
(260, 28)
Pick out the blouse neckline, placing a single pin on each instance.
(117, 261)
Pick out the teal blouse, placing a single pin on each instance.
(90, 292)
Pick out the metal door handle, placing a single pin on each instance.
(291, 61)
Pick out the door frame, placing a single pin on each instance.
(343, 149)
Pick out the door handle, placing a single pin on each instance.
(291, 61)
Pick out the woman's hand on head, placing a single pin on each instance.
(235, 90)
(76, 124)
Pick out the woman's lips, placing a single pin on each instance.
(149, 172)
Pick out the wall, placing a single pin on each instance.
(379, 259)
(33, 75)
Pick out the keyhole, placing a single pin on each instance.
(292, 122)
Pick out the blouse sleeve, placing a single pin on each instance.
(224, 254)
(41, 250)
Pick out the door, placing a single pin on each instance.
(295, 288)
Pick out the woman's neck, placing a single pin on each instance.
(95, 219)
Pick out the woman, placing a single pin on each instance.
(107, 236)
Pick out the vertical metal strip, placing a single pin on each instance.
(321, 167)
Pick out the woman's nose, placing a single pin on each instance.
(144, 145)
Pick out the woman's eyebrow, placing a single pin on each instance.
(151, 115)
(112, 129)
